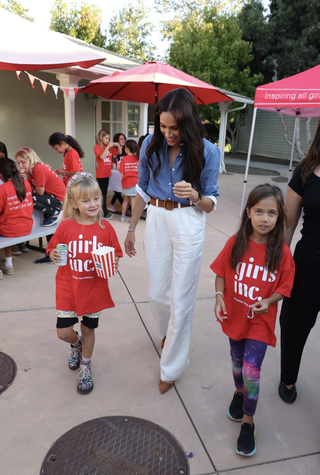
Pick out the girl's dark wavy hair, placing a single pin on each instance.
(133, 147)
(181, 104)
(312, 159)
(116, 139)
(58, 137)
(275, 237)
(9, 171)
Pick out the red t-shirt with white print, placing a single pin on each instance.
(78, 286)
(103, 169)
(129, 167)
(44, 176)
(15, 217)
(71, 163)
(251, 283)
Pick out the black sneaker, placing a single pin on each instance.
(16, 251)
(246, 444)
(45, 260)
(108, 216)
(51, 220)
(235, 410)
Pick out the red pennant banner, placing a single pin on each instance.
(32, 79)
(44, 86)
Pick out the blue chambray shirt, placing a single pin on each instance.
(166, 178)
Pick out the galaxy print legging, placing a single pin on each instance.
(247, 357)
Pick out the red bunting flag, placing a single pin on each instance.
(66, 90)
(18, 74)
(32, 78)
(44, 86)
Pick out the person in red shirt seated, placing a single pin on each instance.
(15, 208)
(72, 154)
(129, 168)
(80, 293)
(48, 189)
(104, 151)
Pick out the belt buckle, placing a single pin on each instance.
(165, 205)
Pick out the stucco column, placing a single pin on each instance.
(70, 81)
(223, 107)
(143, 118)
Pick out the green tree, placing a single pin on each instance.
(208, 45)
(130, 32)
(83, 22)
(16, 7)
(295, 39)
(253, 21)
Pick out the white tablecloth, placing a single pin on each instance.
(115, 181)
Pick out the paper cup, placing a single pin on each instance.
(104, 259)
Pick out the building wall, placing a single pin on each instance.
(28, 117)
(268, 136)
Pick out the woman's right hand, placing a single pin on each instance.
(129, 244)
(22, 173)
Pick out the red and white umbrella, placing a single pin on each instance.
(27, 46)
(149, 82)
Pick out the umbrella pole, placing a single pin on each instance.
(292, 150)
(248, 159)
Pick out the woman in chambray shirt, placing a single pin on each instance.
(178, 172)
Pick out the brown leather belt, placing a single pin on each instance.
(167, 204)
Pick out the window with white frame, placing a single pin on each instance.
(133, 119)
(111, 117)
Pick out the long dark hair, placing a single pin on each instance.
(9, 171)
(3, 149)
(275, 237)
(116, 139)
(58, 137)
(133, 147)
(181, 104)
(312, 159)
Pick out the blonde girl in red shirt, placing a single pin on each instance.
(72, 154)
(104, 151)
(253, 272)
(80, 293)
(15, 208)
(129, 169)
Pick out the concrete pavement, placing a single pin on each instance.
(42, 403)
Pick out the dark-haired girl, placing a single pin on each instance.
(129, 169)
(15, 208)
(121, 140)
(178, 172)
(254, 271)
(72, 153)
(299, 312)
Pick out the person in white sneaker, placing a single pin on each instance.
(16, 208)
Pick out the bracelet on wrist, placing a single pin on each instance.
(219, 293)
(131, 230)
(197, 202)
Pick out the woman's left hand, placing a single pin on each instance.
(184, 190)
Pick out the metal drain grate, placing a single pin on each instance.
(116, 445)
(7, 371)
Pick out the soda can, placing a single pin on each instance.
(63, 251)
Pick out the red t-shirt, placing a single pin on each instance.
(44, 176)
(15, 217)
(251, 283)
(71, 163)
(78, 286)
(104, 166)
(129, 167)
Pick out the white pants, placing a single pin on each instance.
(173, 245)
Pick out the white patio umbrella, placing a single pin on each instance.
(27, 46)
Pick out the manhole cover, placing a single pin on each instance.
(116, 445)
(7, 371)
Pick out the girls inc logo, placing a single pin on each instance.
(251, 272)
(77, 262)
